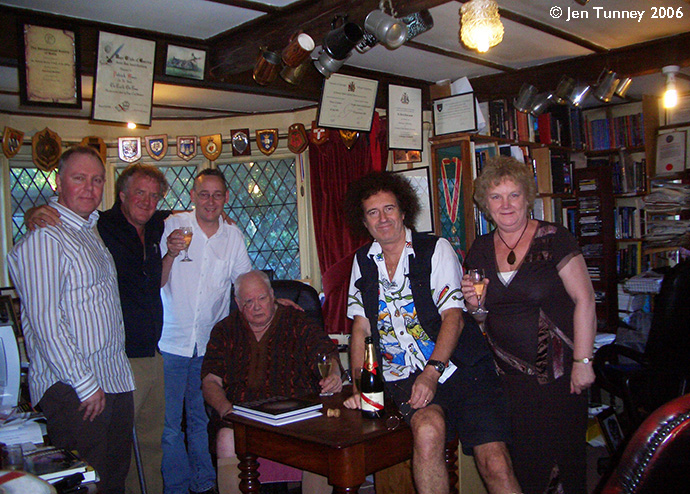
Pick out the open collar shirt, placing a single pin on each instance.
(71, 313)
(404, 343)
(197, 294)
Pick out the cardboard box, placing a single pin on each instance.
(440, 90)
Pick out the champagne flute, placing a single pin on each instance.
(477, 279)
(187, 232)
(324, 363)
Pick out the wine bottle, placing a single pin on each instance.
(371, 383)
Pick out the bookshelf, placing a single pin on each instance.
(595, 232)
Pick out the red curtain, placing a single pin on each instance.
(332, 168)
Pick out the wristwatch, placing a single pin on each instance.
(437, 364)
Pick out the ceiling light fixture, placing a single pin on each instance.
(480, 25)
(671, 93)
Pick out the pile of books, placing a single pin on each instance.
(278, 410)
(54, 464)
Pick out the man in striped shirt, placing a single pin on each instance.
(79, 374)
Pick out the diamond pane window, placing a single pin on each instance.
(263, 201)
(29, 187)
(181, 181)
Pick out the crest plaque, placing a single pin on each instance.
(267, 140)
(211, 146)
(46, 147)
(98, 144)
(12, 140)
(240, 142)
(186, 147)
(129, 149)
(349, 137)
(297, 138)
(157, 146)
(318, 135)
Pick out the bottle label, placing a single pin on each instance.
(372, 402)
(372, 367)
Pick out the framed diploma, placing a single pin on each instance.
(404, 117)
(123, 86)
(420, 180)
(455, 114)
(49, 67)
(347, 102)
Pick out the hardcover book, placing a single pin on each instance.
(276, 407)
(52, 464)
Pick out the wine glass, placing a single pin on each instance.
(477, 279)
(187, 232)
(324, 363)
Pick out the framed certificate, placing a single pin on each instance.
(347, 102)
(404, 117)
(49, 67)
(455, 114)
(123, 86)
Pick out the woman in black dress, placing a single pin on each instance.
(541, 324)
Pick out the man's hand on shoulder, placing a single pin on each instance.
(289, 303)
(41, 216)
(94, 405)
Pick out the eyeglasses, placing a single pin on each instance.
(403, 412)
(205, 196)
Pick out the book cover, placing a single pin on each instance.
(53, 463)
(279, 421)
(277, 407)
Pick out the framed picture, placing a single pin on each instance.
(123, 90)
(185, 62)
(455, 114)
(680, 114)
(9, 314)
(49, 73)
(403, 156)
(404, 117)
(610, 429)
(420, 180)
(348, 103)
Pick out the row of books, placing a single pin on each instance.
(628, 222)
(629, 175)
(563, 125)
(629, 260)
(55, 464)
(611, 133)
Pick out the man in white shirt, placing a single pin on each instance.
(78, 373)
(196, 295)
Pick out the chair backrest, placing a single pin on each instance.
(668, 345)
(302, 294)
(656, 460)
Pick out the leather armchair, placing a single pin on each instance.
(656, 460)
(647, 380)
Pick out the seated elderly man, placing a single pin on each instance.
(262, 350)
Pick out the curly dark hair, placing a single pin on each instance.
(373, 183)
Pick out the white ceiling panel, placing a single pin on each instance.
(190, 18)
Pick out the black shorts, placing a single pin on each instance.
(472, 400)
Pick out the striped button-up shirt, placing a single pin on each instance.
(71, 313)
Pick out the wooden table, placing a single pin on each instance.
(345, 449)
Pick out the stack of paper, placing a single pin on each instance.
(278, 410)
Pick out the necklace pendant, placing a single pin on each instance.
(453, 230)
(511, 258)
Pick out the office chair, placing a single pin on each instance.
(647, 380)
(656, 460)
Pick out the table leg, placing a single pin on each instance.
(249, 473)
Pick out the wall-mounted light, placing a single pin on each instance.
(480, 25)
(131, 125)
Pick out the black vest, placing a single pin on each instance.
(472, 345)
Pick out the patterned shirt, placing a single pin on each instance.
(282, 363)
(405, 346)
(71, 313)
